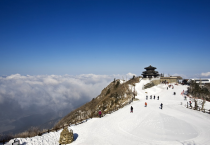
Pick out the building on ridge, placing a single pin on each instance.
(157, 78)
(150, 72)
(171, 79)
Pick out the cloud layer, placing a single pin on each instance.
(207, 74)
(51, 91)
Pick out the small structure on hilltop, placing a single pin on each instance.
(171, 79)
(150, 72)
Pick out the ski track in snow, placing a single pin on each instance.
(173, 125)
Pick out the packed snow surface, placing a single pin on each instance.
(173, 125)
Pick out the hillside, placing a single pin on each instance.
(173, 125)
(113, 96)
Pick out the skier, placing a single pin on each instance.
(161, 106)
(185, 97)
(154, 96)
(151, 97)
(99, 113)
(145, 104)
(146, 97)
(131, 109)
(167, 88)
(190, 104)
(158, 97)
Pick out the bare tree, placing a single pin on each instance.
(204, 93)
(194, 91)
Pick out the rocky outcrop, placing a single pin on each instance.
(149, 85)
(66, 137)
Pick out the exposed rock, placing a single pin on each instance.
(149, 85)
(66, 137)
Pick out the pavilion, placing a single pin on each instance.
(150, 72)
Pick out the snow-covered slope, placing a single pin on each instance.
(173, 125)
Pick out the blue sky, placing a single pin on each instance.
(104, 36)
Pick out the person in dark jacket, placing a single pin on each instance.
(161, 106)
(158, 97)
(131, 109)
(154, 97)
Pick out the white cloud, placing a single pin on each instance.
(207, 74)
(55, 92)
(130, 75)
(52, 92)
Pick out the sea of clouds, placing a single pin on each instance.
(51, 92)
(25, 95)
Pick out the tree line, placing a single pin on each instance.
(197, 91)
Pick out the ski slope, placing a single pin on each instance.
(173, 125)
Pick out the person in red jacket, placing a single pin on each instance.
(145, 104)
(99, 113)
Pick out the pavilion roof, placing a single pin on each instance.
(150, 67)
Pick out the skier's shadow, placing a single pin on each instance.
(75, 136)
